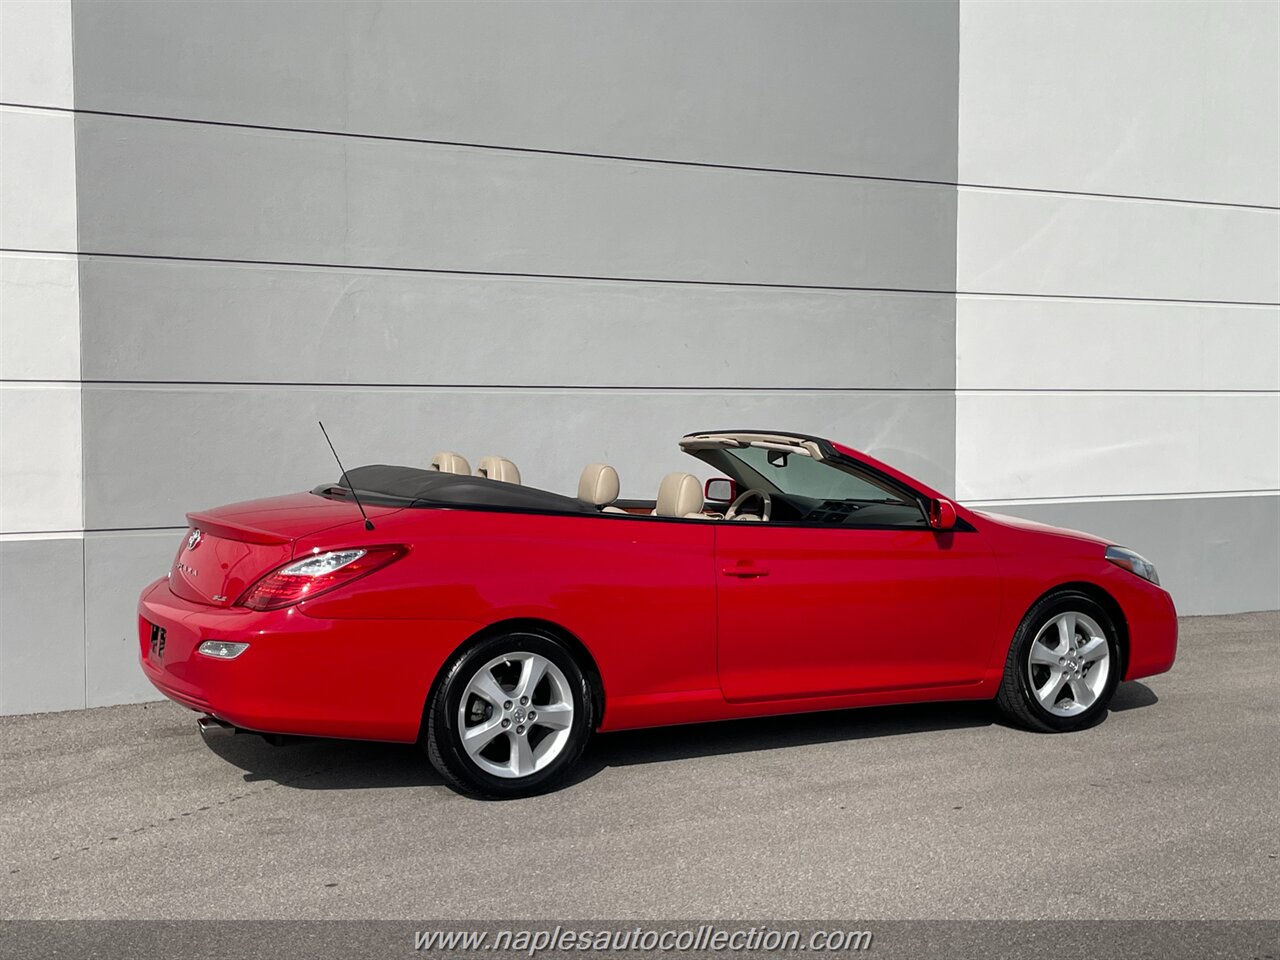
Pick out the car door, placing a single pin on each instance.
(808, 611)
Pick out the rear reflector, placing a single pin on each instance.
(222, 649)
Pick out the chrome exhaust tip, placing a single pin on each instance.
(213, 727)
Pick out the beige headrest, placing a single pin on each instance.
(598, 484)
(679, 495)
(498, 468)
(447, 462)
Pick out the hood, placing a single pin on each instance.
(1018, 523)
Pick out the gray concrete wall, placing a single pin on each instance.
(565, 232)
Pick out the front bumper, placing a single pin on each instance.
(359, 679)
(1153, 630)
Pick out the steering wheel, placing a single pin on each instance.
(766, 505)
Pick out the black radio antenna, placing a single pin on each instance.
(368, 524)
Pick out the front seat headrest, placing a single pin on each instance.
(598, 484)
(498, 468)
(679, 496)
(448, 462)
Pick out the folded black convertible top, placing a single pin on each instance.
(385, 484)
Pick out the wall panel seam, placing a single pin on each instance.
(78, 533)
(1114, 391)
(624, 158)
(400, 385)
(357, 267)
(1122, 497)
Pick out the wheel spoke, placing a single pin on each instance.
(486, 686)
(556, 716)
(1044, 655)
(522, 762)
(1082, 693)
(475, 739)
(1095, 648)
(1067, 630)
(531, 672)
(1048, 694)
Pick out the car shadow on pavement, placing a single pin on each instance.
(1131, 696)
(313, 764)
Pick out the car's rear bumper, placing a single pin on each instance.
(362, 679)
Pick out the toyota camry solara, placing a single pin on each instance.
(499, 625)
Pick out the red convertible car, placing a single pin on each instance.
(499, 625)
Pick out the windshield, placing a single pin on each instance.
(806, 477)
(816, 491)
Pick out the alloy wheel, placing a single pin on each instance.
(516, 714)
(1068, 664)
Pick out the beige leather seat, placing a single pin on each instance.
(598, 485)
(448, 462)
(498, 468)
(680, 495)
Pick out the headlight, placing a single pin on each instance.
(1134, 563)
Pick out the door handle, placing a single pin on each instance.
(745, 570)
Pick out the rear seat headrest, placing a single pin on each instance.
(449, 462)
(498, 468)
(598, 484)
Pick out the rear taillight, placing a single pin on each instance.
(319, 573)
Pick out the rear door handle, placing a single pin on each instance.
(745, 570)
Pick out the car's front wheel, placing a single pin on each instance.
(509, 717)
(1063, 665)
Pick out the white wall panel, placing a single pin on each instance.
(1050, 244)
(35, 52)
(1147, 99)
(39, 317)
(1062, 444)
(37, 180)
(1038, 343)
(40, 465)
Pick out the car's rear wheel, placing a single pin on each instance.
(1063, 665)
(509, 717)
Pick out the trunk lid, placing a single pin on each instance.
(228, 548)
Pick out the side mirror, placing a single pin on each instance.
(942, 514)
(720, 490)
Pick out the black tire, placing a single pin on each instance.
(442, 734)
(1018, 702)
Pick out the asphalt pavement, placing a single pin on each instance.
(1168, 810)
